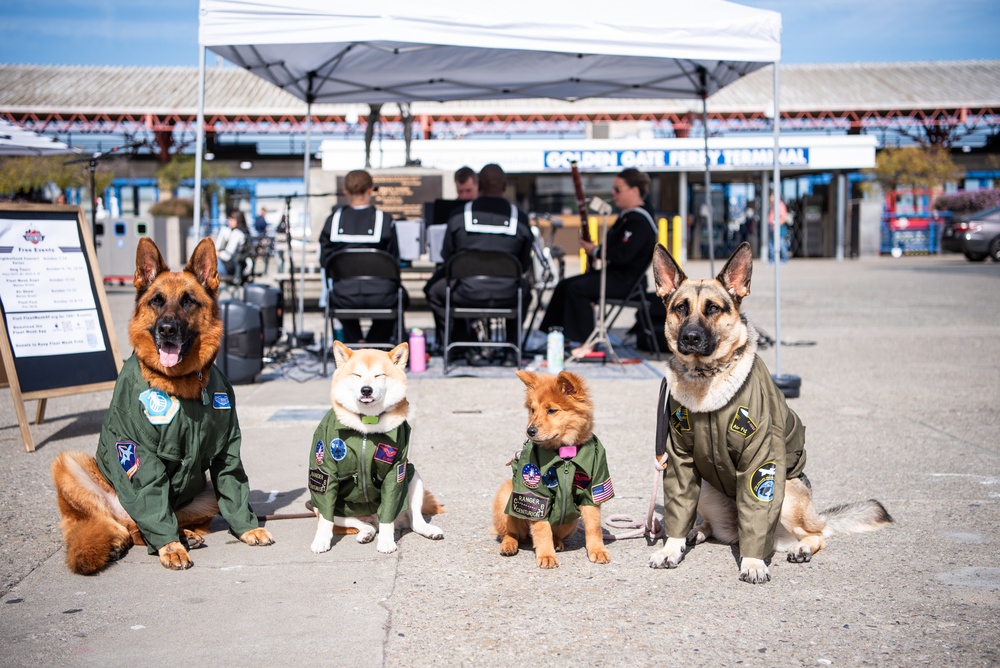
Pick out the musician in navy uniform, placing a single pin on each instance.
(488, 223)
(358, 224)
(631, 241)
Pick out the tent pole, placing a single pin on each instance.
(199, 140)
(708, 185)
(777, 227)
(305, 219)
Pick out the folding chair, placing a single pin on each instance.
(483, 266)
(636, 298)
(362, 265)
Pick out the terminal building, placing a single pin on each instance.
(834, 120)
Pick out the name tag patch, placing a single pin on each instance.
(529, 506)
(318, 481)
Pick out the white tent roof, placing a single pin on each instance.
(406, 50)
(15, 140)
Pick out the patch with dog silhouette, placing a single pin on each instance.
(762, 481)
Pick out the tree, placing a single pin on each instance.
(25, 177)
(914, 167)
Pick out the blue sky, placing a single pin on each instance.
(158, 32)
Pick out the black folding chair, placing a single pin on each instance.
(483, 266)
(636, 299)
(362, 265)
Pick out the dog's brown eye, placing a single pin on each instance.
(157, 302)
(712, 309)
(553, 410)
(681, 308)
(187, 301)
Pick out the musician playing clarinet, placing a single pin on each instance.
(630, 250)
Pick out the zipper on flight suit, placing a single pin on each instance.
(364, 475)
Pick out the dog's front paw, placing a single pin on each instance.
(508, 546)
(670, 555)
(257, 537)
(386, 538)
(754, 571)
(546, 561)
(599, 555)
(175, 557)
(321, 544)
(193, 540)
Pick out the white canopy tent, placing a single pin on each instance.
(435, 50)
(15, 140)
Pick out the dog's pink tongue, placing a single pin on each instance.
(170, 355)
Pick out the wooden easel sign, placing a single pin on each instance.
(57, 337)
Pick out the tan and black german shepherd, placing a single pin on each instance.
(172, 420)
(736, 451)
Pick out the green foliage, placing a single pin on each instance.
(914, 167)
(968, 201)
(182, 207)
(20, 175)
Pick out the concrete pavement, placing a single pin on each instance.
(899, 396)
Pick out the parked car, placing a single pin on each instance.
(976, 235)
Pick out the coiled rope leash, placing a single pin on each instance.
(652, 529)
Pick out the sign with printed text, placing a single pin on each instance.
(693, 159)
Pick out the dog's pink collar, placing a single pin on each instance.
(567, 451)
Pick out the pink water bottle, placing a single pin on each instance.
(418, 352)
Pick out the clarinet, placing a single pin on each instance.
(581, 205)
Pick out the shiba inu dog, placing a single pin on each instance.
(359, 471)
(559, 476)
(172, 420)
(736, 450)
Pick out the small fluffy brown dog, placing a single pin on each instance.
(172, 420)
(558, 477)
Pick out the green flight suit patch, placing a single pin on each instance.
(679, 420)
(529, 506)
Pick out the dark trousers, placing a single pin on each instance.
(436, 297)
(572, 304)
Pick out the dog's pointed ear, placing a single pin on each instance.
(529, 379)
(400, 354)
(204, 265)
(341, 353)
(148, 264)
(570, 384)
(666, 272)
(735, 276)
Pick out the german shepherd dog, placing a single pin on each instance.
(731, 428)
(172, 419)
(559, 476)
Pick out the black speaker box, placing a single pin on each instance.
(272, 305)
(241, 357)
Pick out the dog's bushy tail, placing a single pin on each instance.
(92, 534)
(431, 506)
(858, 517)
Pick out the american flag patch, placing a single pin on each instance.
(385, 453)
(401, 472)
(603, 492)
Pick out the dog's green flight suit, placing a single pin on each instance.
(352, 474)
(746, 450)
(174, 442)
(548, 487)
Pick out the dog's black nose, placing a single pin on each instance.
(532, 431)
(366, 391)
(166, 328)
(693, 339)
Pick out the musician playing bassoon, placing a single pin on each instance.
(630, 250)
